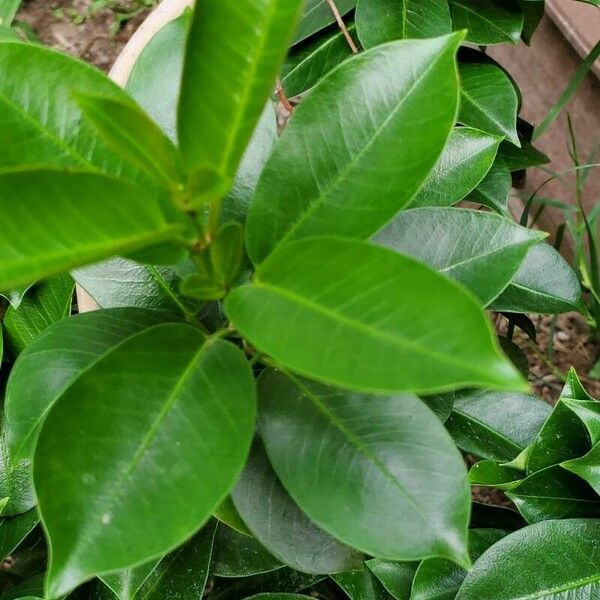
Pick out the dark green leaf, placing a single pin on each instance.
(125, 584)
(488, 100)
(488, 21)
(325, 444)
(226, 251)
(440, 404)
(318, 14)
(86, 217)
(380, 21)
(279, 596)
(114, 468)
(361, 585)
(496, 425)
(533, 11)
(280, 525)
(347, 173)
(566, 565)
(444, 239)
(498, 517)
(516, 159)
(396, 577)
(13, 530)
(308, 292)
(545, 283)
(234, 81)
(238, 555)
(44, 304)
(494, 189)
(587, 467)
(467, 157)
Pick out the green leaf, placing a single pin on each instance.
(239, 555)
(587, 467)
(15, 296)
(233, 80)
(279, 524)
(466, 159)
(444, 239)
(496, 425)
(516, 159)
(125, 584)
(124, 478)
(118, 283)
(131, 133)
(318, 14)
(228, 515)
(14, 530)
(361, 585)
(545, 283)
(44, 304)
(307, 63)
(488, 21)
(331, 164)
(493, 189)
(279, 596)
(507, 572)
(308, 292)
(202, 287)
(440, 404)
(533, 11)
(40, 122)
(325, 444)
(86, 217)
(396, 577)
(8, 11)
(380, 21)
(184, 572)
(226, 251)
(488, 100)
(554, 493)
(440, 579)
(489, 473)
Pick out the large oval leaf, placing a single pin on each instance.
(358, 467)
(347, 172)
(280, 525)
(566, 565)
(466, 159)
(379, 21)
(189, 419)
(480, 250)
(304, 310)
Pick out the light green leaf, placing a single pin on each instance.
(467, 157)
(545, 283)
(319, 326)
(493, 189)
(318, 14)
(396, 577)
(60, 220)
(228, 515)
(326, 444)
(493, 576)
(488, 21)
(44, 304)
(496, 425)
(480, 250)
(488, 100)
(234, 81)
(226, 251)
(489, 473)
(114, 468)
(342, 172)
(380, 21)
(280, 525)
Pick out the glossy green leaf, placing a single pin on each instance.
(308, 292)
(440, 579)
(86, 217)
(15, 296)
(228, 515)
(131, 133)
(13, 530)
(465, 161)
(318, 14)
(493, 190)
(202, 287)
(396, 577)
(507, 572)
(533, 11)
(496, 425)
(325, 445)
(516, 159)
(239, 555)
(380, 21)
(307, 63)
(489, 473)
(279, 524)
(32, 588)
(114, 467)
(587, 467)
(361, 585)
(125, 584)
(480, 250)
(440, 404)
(554, 493)
(488, 100)
(183, 573)
(488, 21)
(331, 164)
(545, 283)
(40, 122)
(233, 80)
(44, 304)
(226, 251)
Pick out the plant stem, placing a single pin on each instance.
(342, 26)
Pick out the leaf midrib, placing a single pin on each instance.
(468, 9)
